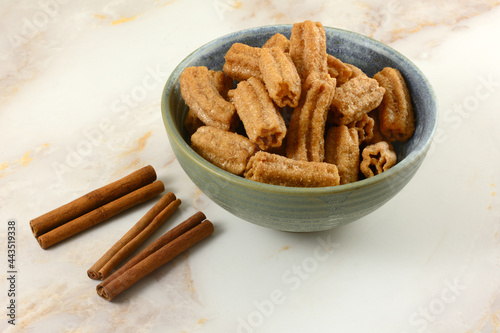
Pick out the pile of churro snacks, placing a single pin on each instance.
(342, 121)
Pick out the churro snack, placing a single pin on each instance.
(308, 118)
(222, 84)
(279, 170)
(263, 124)
(397, 121)
(308, 48)
(192, 122)
(355, 98)
(227, 150)
(280, 77)
(377, 158)
(364, 126)
(355, 71)
(305, 140)
(342, 149)
(204, 99)
(338, 70)
(242, 62)
(377, 136)
(278, 40)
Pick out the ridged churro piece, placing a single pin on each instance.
(278, 40)
(305, 139)
(397, 120)
(227, 150)
(192, 122)
(279, 170)
(222, 84)
(201, 95)
(342, 149)
(355, 98)
(263, 124)
(355, 71)
(242, 62)
(364, 126)
(377, 136)
(308, 48)
(280, 77)
(377, 158)
(338, 70)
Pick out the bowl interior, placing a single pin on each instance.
(366, 53)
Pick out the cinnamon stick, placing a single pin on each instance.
(149, 223)
(92, 200)
(169, 236)
(157, 254)
(100, 214)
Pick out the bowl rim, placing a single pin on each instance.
(174, 135)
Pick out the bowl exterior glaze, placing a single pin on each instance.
(303, 209)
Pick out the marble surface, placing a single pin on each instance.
(80, 87)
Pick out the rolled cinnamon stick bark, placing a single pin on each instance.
(100, 214)
(175, 232)
(149, 223)
(157, 254)
(92, 200)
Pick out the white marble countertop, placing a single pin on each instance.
(80, 89)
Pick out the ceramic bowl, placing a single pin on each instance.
(303, 209)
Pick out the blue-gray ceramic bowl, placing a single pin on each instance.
(303, 209)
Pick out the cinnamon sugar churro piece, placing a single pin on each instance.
(338, 70)
(263, 124)
(377, 136)
(364, 126)
(305, 140)
(342, 149)
(201, 95)
(222, 84)
(397, 121)
(242, 62)
(355, 98)
(192, 122)
(278, 40)
(308, 48)
(227, 150)
(274, 169)
(280, 77)
(355, 71)
(377, 158)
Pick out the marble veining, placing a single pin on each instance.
(80, 88)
